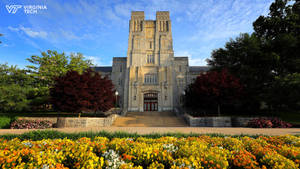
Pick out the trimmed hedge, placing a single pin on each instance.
(53, 134)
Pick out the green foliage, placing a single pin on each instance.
(52, 134)
(244, 58)
(5, 122)
(268, 59)
(13, 98)
(13, 75)
(280, 34)
(46, 67)
(287, 89)
(52, 64)
(15, 88)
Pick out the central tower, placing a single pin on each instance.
(149, 69)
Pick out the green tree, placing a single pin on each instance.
(49, 65)
(287, 89)
(269, 55)
(244, 58)
(15, 89)
(52, 64)
(280, 34)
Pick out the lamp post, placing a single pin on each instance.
(183, 95)
(116, 93)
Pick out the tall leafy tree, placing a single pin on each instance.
(213, 89)
(16, 89)
(49, 65)
(52, 64)
(74, 92)
(267, 56)
(244, 58)
(280, 34)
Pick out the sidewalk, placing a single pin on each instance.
(148, 130)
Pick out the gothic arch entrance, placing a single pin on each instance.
(150, 102)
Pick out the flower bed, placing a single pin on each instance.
(164, 152)
(268, 123)
(31, 124)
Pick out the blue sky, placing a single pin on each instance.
(99, 28)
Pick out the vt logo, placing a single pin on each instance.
(13, 8)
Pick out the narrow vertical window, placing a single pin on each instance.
(150, 58)
(150, 45)
(167, 26)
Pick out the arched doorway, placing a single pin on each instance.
(150, 102)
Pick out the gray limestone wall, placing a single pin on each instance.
(217, 121)
(53, 120)
(63, 122)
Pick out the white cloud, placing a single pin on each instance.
(197, 61)
(29, 32)
(95, 60)
(13, 29)
(193, 60)
(34, 34)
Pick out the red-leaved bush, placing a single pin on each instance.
(31, 124)
(268, 123)
(77, 93)
(213, 89)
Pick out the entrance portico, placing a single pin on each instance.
(150, 102)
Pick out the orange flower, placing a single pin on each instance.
(9, 160)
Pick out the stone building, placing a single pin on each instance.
(150, 78)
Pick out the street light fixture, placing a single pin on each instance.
(116, 93)
(182, 97)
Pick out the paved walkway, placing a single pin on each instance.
(149, 119)
(161, 122)
(148, 130)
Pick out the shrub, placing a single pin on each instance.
(4, 122)
(268, 123)
(78, 93)
(31, 124)
(213, 90)
(277, 123)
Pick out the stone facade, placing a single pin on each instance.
(150, 78)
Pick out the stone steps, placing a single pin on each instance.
(149, 119)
